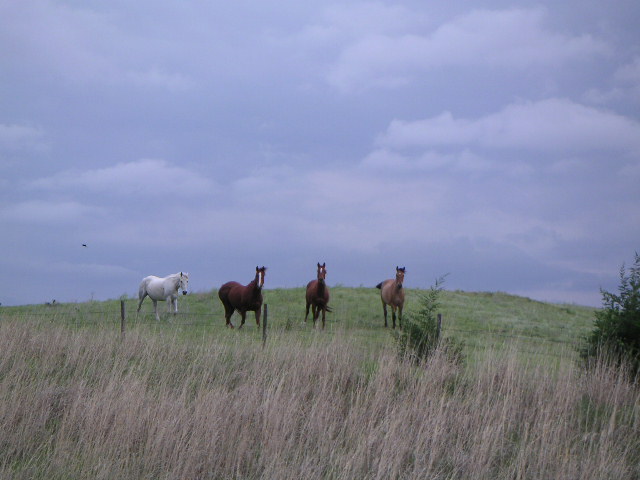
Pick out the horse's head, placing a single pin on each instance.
(184, 282)
(260, 276)
(400, 276)
(322, 272)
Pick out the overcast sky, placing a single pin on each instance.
(497, 142)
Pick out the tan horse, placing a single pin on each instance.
(392, 294)
(318, 295)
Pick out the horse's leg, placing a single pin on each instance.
(324, 311)
(384, 309)
(258, 316)
(155, 309)
(393, 315)
(169, 301)
(400, 316)
(243, 314)
(307, 312)
(172, 301)
(228, 311)
(316, 314)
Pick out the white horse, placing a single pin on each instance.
(163, 289)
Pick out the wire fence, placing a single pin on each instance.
(281, 317)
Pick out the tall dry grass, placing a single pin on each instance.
(80, 404)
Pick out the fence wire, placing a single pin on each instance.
(280, 317)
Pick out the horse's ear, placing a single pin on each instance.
(324, 264)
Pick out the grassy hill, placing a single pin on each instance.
(480, 320)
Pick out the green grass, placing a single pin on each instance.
(479, 319)
(490, 318)
(188, 398)
(79, 401)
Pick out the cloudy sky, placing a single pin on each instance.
(495, 141)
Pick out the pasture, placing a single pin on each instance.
(187, 397)
(479, 319)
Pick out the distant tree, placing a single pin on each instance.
(616, 330)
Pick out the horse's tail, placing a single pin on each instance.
(379, 286)
(328, 308)
(142, 290)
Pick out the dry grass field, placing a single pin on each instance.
(161, 404)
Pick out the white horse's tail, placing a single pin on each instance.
(142, 290)
(142, 293)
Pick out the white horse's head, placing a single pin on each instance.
(184, 282)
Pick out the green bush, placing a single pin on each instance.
(420, 334)
(616, 333)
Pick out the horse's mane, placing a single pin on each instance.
(253, 284)
(255, 280)
(177, 277)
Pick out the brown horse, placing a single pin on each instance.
(244, 298)
(318, 295)
(392, 294)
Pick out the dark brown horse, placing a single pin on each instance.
(244, 298)
(392, 294)
(318, 296)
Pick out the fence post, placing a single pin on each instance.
(123, 316)
(439, 325)
(264, 325)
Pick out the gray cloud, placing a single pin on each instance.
(500, 145)
(46, 212)
(515, 38)
(147, 177)
(551, 125)
(15, 138)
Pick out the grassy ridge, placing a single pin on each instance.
(480, 320)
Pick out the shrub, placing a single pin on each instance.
(616, 330)
(420, 335)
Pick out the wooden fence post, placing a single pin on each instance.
(264, 325)
(439, 325)
(123, 315)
